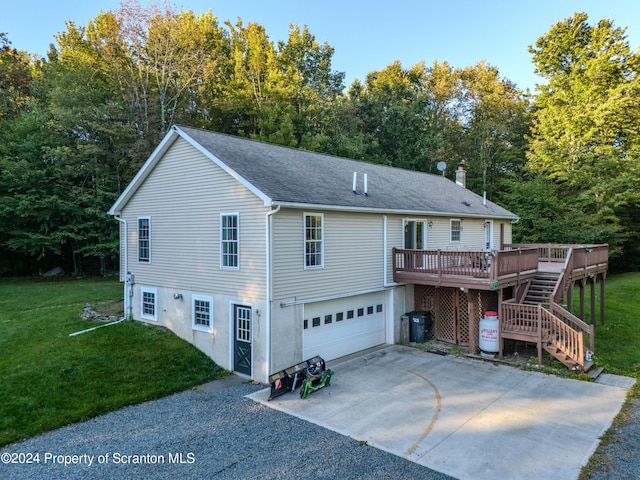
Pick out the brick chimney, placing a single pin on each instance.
(461, 175)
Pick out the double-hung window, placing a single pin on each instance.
(229, 240)
(456, 230)
(313, 240)
(149, 303)
(202, 313)
(144, 239)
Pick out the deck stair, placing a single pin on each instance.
(566, 359)
(537, 319)
(541, 288)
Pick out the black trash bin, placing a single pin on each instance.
(420, 325)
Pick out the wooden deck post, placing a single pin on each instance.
(539, 334)
(593, 300)
(500, 346)
(474, 326)
(604, 275)
(582, 285)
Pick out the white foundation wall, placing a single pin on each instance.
(176, 315)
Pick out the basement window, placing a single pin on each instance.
(149, 305)
(202, 313)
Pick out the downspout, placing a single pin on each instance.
(268, 288)
(128, 292)
(384, 250)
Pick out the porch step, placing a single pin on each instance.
(565, 360)
(595, 373)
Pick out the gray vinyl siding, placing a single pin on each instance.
(353, 255)
(472, 236)
(184, 196)
(395, 239)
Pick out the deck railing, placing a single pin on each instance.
(557, 328)
(574, 322)
(565, 340)
(516, 261)
(586, 255)
(478, 264)
(521, 318)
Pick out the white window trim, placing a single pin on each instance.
(204, 298)
(222, 265)
(425, 228)
(138, 236)
(251, 327)
(451, 220)
(491, 243)
(304, 240)
(232, 328)
(146, 316)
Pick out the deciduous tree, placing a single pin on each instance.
(586, 122)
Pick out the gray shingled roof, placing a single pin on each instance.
(294, 176)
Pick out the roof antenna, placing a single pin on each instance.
(355, 177)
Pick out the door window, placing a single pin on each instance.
(243, 324)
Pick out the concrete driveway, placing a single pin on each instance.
(466, 418)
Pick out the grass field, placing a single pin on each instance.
(618, 350)
(49, 379)
(618, 340)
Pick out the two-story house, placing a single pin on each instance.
(262, 255)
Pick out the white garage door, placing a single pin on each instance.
(339, 327)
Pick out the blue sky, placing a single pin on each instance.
(366, 34)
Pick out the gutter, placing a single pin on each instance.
(391, 211)
(267, 219)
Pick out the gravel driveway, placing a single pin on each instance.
(620, 458)
(215, 432)
(200, 434)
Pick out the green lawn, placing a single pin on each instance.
(618, 340)
(49, 379)
(618, 350)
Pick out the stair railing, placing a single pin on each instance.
(567, 341)
(574, 322)
(563, 280)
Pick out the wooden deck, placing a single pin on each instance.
(531, 315)
(485, 270)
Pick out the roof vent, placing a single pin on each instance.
(365, 185)
(355, 178)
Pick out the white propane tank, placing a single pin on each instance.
(489, 333)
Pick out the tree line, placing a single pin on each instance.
(76, 126)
